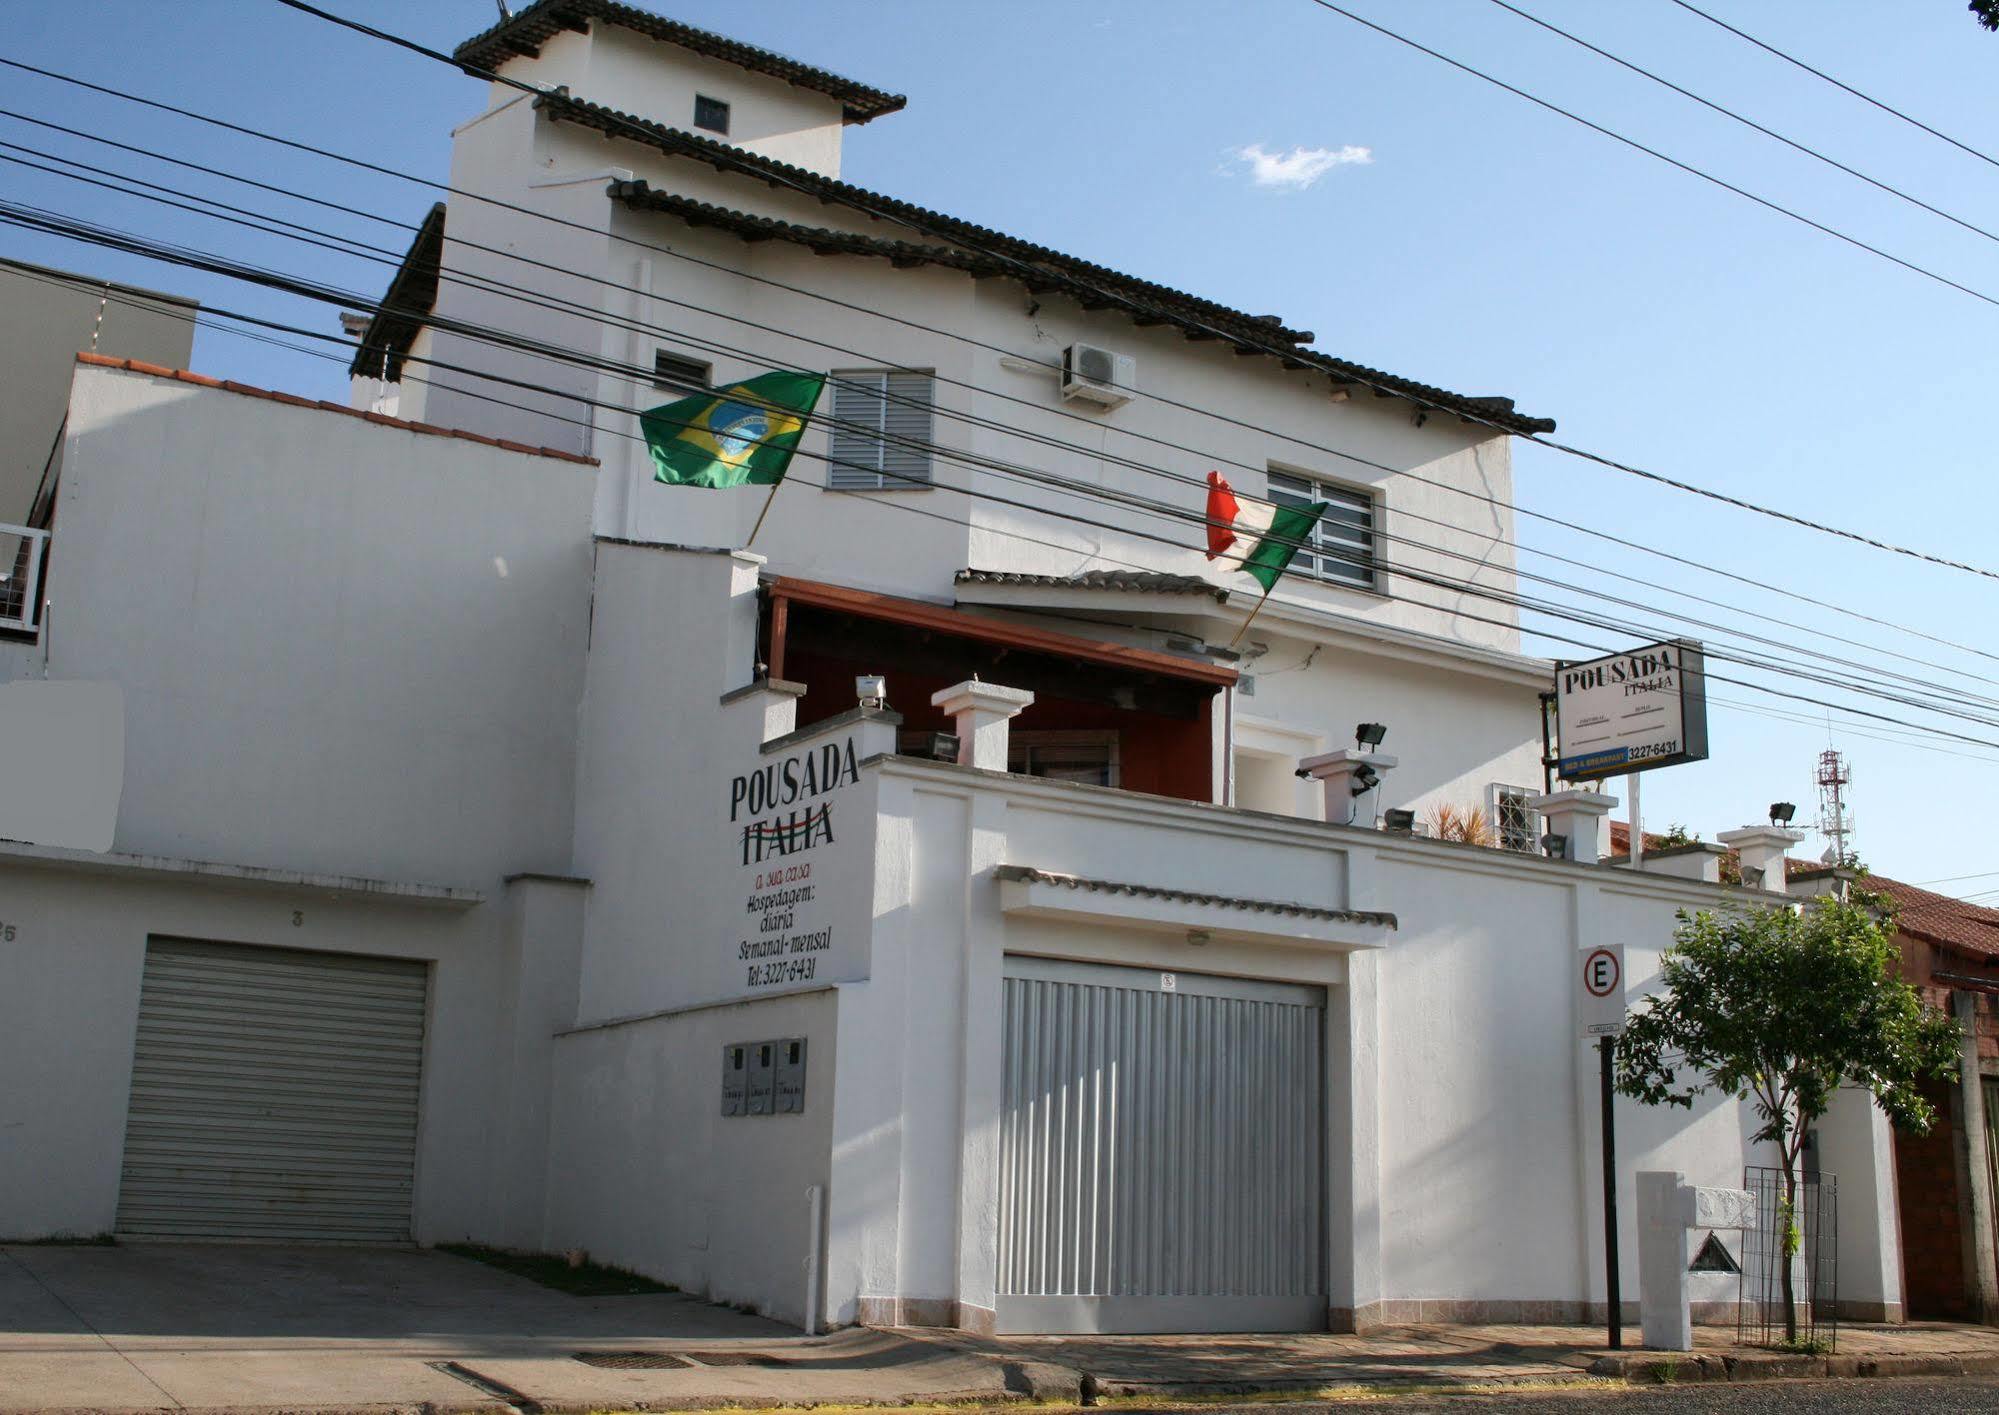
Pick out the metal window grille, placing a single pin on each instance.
(1517, 824)
(711, 113)
(1342, 548)
(1759, 1312)
(881, 430)
(22, 553)
(673, 374)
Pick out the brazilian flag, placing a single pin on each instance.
(736, 436)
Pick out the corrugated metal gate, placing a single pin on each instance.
(1161, 1152)
(274, 1094)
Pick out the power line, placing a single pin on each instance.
(768, 174)
(83, 231)
(1792, 59)
(1607, 537)
(1750, 123)
(1143, 505)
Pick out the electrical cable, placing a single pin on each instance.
(1144, 505)
(1846, 87)
(1513, 600)
(899, 505)
(1578, 528)
(1741, 503)
(1750, 123)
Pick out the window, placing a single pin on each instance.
(1086, 756)
(1342, 544)
(1517, 824)
(881, 430)
(711, 113)
(673, 374)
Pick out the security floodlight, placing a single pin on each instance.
(1557, 846)
(1364, 780)
(1399, 820)
(1781, 812)
(1369, 734)
(872, 690)
(936, 747)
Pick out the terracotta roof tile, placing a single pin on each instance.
(1028, 874)
(1128, 581)
(525, 33)
(1939, 919)
(321, 405)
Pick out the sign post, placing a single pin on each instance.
(1603, 1018)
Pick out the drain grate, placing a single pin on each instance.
(632, 1360)
(733, 1358)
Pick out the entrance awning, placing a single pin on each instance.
(1157, 909)
(785, 592)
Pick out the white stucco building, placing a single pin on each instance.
(502, 853)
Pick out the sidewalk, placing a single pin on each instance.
(245, 1329)
(1189, 1367)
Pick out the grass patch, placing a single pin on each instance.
(1804, 1346)
(553, 1270)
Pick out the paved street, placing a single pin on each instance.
(1863, 1397)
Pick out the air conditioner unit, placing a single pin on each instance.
(1098, 376)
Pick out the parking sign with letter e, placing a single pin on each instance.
(1602, 995)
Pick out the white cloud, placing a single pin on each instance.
(1301, 166)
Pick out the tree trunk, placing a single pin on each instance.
(1788, 1218)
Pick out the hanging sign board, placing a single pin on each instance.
(1602, 995)
(1631, 712)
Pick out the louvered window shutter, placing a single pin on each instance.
(882, 430)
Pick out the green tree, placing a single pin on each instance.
(1987, 12)
(1780, 1006)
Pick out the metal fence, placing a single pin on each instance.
(1814, 1268)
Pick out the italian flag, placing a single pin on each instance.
(1274, 533)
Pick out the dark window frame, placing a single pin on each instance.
(706, 112)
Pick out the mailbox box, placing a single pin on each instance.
(763, 1077)
(735, 1078)
(790, 1075)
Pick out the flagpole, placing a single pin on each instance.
(1252, 619)
(763, 513)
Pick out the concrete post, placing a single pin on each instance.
(1974, 1177)
(1578, 817)
(981, 712)
(1335, 771)
(1761, 849)
(1669, 1212)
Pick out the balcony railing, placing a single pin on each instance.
(22, 553)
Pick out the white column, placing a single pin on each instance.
(981, 712)
(1762, 849)
(1577, 816)
(1336, 771)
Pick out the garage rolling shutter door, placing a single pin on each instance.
(1161, 1152)
(274, 1094)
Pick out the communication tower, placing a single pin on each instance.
(1835, 817)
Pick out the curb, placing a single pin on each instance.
(1670, 1368)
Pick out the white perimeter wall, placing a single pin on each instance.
(344, 648)
(646, 1172)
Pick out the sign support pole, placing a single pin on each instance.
(1605, 1046)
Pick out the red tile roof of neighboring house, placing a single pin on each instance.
(1939, 919)
(230, 386)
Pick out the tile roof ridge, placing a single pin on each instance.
(225, 385)
(523, 34)
(1149, 301)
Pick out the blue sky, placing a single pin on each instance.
(1481, 244)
